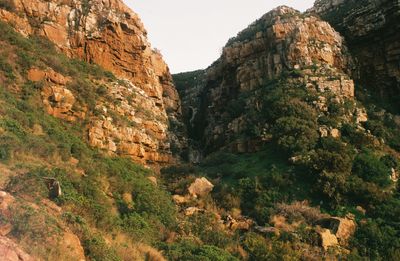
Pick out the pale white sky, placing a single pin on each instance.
(190, 34)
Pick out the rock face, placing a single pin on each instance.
(111, 35)
(284, 41)
(9, 251)
(372, 30)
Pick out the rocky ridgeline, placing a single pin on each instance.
(108, 33)
(372, 30)
(302, 49)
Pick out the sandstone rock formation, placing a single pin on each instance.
(111, 35)
(200, 187)
(284, 41)
(372, 30)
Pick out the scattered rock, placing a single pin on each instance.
(178, 199)
(190, 211)
(5, 229)
(361, 210)
(200, 187)
(128, 199)
(240, 223)
(267, 231)
(153, 180)
(394, 175)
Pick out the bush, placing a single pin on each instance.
(186, 250)
(371, 169)
(295, 135)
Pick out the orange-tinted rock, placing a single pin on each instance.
(108, 33)
(283, 45)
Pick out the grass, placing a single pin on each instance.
(89, 200)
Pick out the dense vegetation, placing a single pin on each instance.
(108, 202)
(335, 174)
(113, 207)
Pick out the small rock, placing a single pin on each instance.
(5, 229)
(361, 210)
(192, 210)
(178, 199)
(394, 175)
(128, 199)
(267, 230)
(153, 180)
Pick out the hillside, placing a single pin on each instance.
(285, 130)
(279, 150)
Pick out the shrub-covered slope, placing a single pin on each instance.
(286, 143)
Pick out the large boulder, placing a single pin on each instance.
(343, 228)
(200, 187)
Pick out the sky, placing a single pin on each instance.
(190, 34)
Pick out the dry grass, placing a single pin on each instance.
(300, 211)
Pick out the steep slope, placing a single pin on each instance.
(371, 29)
(109, 34)
(285, 141)
(283, 43)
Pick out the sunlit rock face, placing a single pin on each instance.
(372, 30)
(108, 33)
(302, 49)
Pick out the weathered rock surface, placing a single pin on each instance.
(327, 239)
(372, 30)
(283, 41)
(342, 228)
(109, 34)
(200, 187)
(10, 251)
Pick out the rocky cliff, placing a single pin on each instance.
(283, 45)
(109, 34)
(371, 29)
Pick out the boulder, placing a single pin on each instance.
(200, 187)
(240, 223)
(343, 228)
(327, 239)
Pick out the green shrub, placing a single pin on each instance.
(186, 250)
(371, 169)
